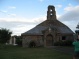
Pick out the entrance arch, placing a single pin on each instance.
(49, 40)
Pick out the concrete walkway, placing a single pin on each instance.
(68, 50)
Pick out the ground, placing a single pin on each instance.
(32, 53)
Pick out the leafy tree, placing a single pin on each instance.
(5, 35)
(18, 40)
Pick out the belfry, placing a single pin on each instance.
(51, 14)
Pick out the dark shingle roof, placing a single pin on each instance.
(35, 31)
(65, 30)
(46, 24)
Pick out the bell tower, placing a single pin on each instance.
(51, 14)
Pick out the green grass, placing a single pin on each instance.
(31, 53)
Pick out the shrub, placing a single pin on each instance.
(63, 43)
(19, 42)
(5, 35)
(67, 43)
(2, 46)
(32, 44)
(57, 43)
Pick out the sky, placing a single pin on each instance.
(20, 16)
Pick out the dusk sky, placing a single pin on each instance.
(21, 15)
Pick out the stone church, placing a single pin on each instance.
(48, 32)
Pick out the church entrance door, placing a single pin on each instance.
(49, 40)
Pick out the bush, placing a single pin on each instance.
(57, 43)
(32, 44)
(4, 46)
(19, 42)
(5, 35)
(63, 43)
(67, 43)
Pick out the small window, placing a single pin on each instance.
(63, 37)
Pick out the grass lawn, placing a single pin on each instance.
(31, 53)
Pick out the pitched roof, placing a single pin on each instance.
(46, 24)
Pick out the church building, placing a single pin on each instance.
(48, 32)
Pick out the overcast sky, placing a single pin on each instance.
(21, 15)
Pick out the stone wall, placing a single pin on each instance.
(34, 38)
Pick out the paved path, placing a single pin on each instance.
(68, 50)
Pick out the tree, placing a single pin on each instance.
(5, 35)
(18, 40)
